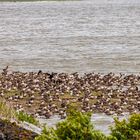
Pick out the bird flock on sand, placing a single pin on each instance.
(45, 94)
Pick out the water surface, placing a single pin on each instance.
(69, 36)
(100, 121)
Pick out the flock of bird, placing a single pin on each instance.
(46, 94)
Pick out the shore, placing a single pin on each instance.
(45, 94)
(10, 131)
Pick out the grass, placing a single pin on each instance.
(6, 111)
(22, 116)
(74, 105)
(11, 93)
(66, 96)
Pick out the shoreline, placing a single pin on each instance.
(10, 130)
(47, 94)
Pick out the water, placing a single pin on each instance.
(69, 36)
(100, 121)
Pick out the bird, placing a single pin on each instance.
(39, 72)
(5, 70)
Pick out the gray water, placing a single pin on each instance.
(100, 121)
(69, 36)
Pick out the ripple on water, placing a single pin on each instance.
(82, 36)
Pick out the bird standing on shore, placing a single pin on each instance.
(5, 70)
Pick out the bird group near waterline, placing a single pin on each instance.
(45, 94)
